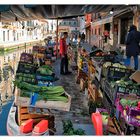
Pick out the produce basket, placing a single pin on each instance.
(52, 105)
(26, 57)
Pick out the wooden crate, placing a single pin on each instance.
(23, 116)
(111, 127)
(83, 84)
(52, 105)
(40, 55)
(93, 92)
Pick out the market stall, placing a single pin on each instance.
(111, 91)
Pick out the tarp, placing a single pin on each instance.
(30, 12)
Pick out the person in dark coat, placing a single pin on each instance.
(132, 46)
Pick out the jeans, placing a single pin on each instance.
(64, 64)
(136, 61)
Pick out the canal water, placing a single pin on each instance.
(8, 65)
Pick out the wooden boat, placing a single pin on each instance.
(19, 115)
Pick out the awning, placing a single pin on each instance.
(32, 12)
(110, 18)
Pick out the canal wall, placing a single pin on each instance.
(14, 45)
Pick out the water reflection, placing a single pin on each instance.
(8, 65)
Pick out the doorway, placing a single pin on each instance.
(125, 24)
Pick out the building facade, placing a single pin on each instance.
(22, 31)
(71, 26)
(110, 30)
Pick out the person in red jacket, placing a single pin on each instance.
(63, 55)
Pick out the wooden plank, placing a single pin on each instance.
(31, 116)
(19, 116)
(23, 110)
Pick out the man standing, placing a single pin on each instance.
(63, 55)
(132, 46)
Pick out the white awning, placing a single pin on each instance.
(102, 21)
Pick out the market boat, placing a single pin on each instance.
(21, 123)
(28, 114)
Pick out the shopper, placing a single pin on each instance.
(83, 37)
(63, 55)
(132, 46)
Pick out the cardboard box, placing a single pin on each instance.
(136, 76)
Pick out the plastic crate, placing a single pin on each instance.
(26, 68)
(115, 73)
(27, 58)
(26, 78)
(128, 90)
(45, 78)
(35, 49)
(111, 92)
(132, 117)
(107, 103)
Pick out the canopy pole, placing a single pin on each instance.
(57, 39)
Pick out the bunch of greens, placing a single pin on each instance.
(69, 130)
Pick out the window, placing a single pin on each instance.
(22, 33)
(64, 23)
(99, 31)
(3, 35)
(95, 31)
(8, 35)
(69, 23)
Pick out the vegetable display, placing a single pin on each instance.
(69, 130)
(52, 93)
(125, 103)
